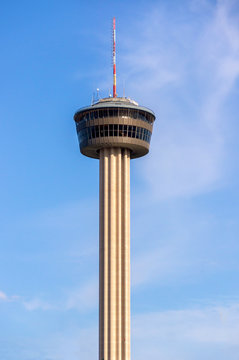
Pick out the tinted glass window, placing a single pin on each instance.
(115, 112)
(137, 133)
(101, 130)
(110, 130)
(115, 130)
(106, 130)
(130, 131)
(125, 128)
(123, 112)
(97, 131)
(140, 133)
(120, 130)
(142, 116)
(79, 117)
(89, 132)
(143, 134)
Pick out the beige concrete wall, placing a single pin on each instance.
(114, 313)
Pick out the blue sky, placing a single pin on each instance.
(179, 58)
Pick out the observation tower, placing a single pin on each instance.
(114, 130)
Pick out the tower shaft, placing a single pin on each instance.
(114, 275)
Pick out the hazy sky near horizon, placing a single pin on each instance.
(179, 58)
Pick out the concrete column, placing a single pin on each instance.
(119, 256)
(126, 255)
(112, 215)
(114, 293)
(104, 256)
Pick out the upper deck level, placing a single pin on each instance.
(114, 122)
(119, 106)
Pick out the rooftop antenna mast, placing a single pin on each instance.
(114, 60)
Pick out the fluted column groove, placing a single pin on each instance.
(114, 293)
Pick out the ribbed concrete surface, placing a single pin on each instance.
(114, 315)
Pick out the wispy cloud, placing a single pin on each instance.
(84, 298)
(37, 304)
(7, 298)
(178, 243)
(191, 333)
(199, 62)
(195, 333)
(3, 296)
(28, 304)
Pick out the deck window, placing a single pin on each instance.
(115, 130)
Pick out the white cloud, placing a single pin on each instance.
(30, 304)
(3, 296)
(199, 62)
(70, 344)
(194, 333)
(83, 299)
(37, 304)
(6, 298)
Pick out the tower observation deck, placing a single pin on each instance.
(114, 122)
(114, 130)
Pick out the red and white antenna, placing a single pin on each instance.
(114, 60)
